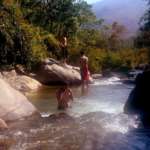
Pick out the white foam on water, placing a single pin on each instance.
(81, 107)
(109, 81)
(45, 114)
(119, 126)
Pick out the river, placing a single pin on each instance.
(107, 95)
(95, 121)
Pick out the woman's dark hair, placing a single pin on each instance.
(82, 53)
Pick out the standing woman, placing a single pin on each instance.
(85, 75)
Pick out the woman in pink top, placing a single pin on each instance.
(84, 68)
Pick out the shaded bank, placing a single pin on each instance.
(138, 101)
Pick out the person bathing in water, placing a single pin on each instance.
(64, 96)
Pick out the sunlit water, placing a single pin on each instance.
(107, 95)
(95, 121)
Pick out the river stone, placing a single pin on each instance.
(3, 124)
(22, 83)
(13, 104)
(53, 72)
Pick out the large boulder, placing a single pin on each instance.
(138, 100)
(13, 104)
(53, 72)
(3, 124)
(22, 83)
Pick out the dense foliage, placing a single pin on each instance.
(30, 31)
(143, 39)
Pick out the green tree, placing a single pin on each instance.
(21, 43)
(115, 36)
(58, 17)
(143, 39)
(85, 15)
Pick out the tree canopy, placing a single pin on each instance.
(143, 40)
(30, 31)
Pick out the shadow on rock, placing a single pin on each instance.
(138, 100)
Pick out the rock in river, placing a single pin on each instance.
(13, 104)
(22, 83)
(3, 124)
(54, 72)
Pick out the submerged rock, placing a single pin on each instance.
(92, 131)
(53, 72)
(13, 104)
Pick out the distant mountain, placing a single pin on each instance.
(125, 12)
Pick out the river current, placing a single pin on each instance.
(95, 121)
(107, 95)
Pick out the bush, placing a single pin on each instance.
(111, 60)
(96, 57)
(37, 50)
(23, 43)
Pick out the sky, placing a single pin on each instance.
(92, 1)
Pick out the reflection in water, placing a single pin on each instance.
(84, 89)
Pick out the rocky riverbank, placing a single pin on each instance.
(22, 83)
(15, 83)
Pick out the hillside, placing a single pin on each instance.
(126, 12)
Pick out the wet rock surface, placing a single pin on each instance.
(20, 82)
(53, 72)
(3, 124)
(138, 100)
(13, 104)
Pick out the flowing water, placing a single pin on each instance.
(107, 95)
(95, 121)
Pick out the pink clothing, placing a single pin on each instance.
(84, 68)
(85, 73)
